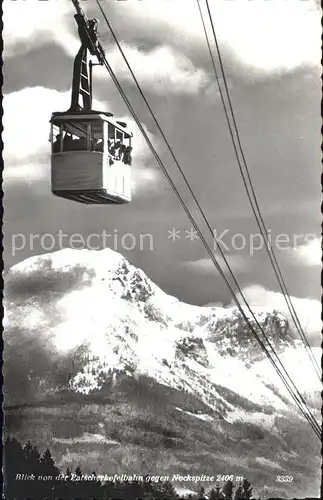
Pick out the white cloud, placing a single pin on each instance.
(271, 36)
(309, 254)
(307, 310)
(26, 121)
(266, 36)
(218, 303)
(32, 171)
(206, 266)
(32, 23)
(162, 69)
(145, 178)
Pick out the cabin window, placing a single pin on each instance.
(119, 136)
(82, 136)
(89, 135)
(119, 146)
(95, 136)
(74, 141)
(56, 139)
(111, 131)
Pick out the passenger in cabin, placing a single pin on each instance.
(57, 143)
(68, 143)
(115, 150)
(99, 145)
(122, 152)
(71, 144)
(127, 155)
(118, 149)
(111, 146)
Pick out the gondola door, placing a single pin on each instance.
(109, 139)
(105, 165)
(119, 166)
(116, 174)
(112, 163)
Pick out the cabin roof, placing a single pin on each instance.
(84, 115)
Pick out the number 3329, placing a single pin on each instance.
(284, 479)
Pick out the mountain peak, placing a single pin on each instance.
(95, 305)
(87, 329)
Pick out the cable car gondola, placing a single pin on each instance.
(91, 152)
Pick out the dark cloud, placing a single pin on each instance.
(44, 283)
(38, 67)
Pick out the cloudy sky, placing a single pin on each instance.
(271, 54)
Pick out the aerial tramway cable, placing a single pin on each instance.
(169, 147)
(299, 400)
(250, 190)
(258, 215)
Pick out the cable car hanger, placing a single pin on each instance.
(91, 152)
(82, 71)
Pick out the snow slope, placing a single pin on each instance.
(78, 320)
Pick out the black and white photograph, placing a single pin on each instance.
(162, 250)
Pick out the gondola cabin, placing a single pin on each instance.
(90, 158)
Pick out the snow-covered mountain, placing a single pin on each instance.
(116, 375)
